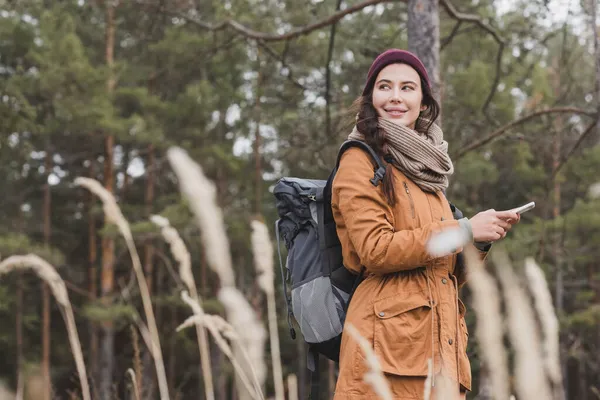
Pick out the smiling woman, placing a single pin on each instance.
(407, 307)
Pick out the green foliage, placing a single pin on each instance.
(118, 314)
(21, 245)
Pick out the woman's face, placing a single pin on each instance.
(397, 94)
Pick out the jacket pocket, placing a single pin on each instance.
(402, 334)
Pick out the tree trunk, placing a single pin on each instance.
(218, 360)
(331, 378)
(149, 200)
(108, 245)
(19, 317)
(257, 139)
(45, 289)
(594, 29)
(173, 354)
(148, 376)
(557, 245)
(107, 285)
(203, 276)
(302, 372)
(19, 334)
(424, 39)
(92, 279)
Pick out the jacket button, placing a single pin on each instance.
(444, 280)
(450, 341)
(382, 314)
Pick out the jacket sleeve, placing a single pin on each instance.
(369, 220)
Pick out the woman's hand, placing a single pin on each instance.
(492, 225)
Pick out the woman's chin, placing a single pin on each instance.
(399, 121)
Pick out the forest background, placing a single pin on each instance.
(255, 90)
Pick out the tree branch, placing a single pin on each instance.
(476, 19)
(503, 129)
(446, 41)
(328, 74)
(294, 33)
(281, 59)
(585, 133)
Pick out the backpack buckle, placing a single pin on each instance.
(378, 177)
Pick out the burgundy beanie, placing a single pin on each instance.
(393, 56)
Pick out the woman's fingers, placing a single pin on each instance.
(508, 215)
(503, 224)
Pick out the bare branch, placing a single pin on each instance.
(446, 41)
(294, 33)
(588, 130)
(503, 129)
(476, 19)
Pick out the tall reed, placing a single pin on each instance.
(263, 260)
(221, 329)
(530, 377)
(549, 323)
(114, 215)
(201, 195)
(374, 375)
(183, 257)
(489, 329)
(57, 286)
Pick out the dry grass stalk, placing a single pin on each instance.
(57, 286)
(114, 215)
(549, 322)
(292, 384)
(594, 190)
(530, 377)
(221, 329)
(201, 196)
(263, 260)
(5, 393)
(427, 391)
(446, 242)
(249, 328)
(445, 388)
(183, 257)
(136, 391)
(489, 329)
(374, 376)
(137, 359)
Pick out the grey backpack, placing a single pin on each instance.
(321, 287)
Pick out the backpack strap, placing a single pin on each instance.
(379, 172)
(327, 236)
(288, 301)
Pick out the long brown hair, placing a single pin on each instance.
(366, 122)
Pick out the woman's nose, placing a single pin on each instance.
(396, 96)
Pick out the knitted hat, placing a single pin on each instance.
(393, 56)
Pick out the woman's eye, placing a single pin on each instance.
(384, 86)
(407, 87)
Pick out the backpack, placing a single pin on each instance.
(321, 287)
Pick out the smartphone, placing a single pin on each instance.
(526, 207)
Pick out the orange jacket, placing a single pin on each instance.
(408, 306)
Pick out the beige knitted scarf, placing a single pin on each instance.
(421, 156)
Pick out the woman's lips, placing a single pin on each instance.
(396, 113)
